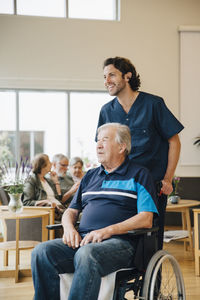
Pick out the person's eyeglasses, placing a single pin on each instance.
(63, 165)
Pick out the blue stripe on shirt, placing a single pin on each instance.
(128, 185)
(144, 200)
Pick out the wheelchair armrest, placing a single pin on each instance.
(146, 246)
(54, 226)
(131, 232)
(57, 226)
(142, 231)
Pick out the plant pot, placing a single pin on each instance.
(15, 203)
(174, 199)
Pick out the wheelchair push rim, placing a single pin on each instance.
(163, 279)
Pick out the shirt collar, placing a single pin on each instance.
(121, 170)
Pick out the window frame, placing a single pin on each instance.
(116, 13)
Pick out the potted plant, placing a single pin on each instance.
(13, 180)
(174, 197)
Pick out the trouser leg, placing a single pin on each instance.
(48, 260)
(96, 260)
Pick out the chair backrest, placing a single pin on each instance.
(4, 198)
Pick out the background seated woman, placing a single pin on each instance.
(76, 168)
(41, 191)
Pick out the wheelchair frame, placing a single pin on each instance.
(155, 275)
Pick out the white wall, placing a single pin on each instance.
(53, 53)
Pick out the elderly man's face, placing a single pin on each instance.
(61, 167)
(108, 150)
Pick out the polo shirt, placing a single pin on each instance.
(151, 124)
(109, 198)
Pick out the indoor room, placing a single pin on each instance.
(53, 86)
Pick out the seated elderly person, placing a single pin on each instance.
(67, 184)
(114, 198)
(41, 191)
(76, 168)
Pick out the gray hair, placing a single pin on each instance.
(75, 160)
(58, 157)
(123, 135)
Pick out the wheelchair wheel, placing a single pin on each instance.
(163, 278)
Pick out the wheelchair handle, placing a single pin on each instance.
(159, 188)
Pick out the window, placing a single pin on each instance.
(7, 6)
(7, 125)
(84, 112)
(92, 9)
(42, 118)
(52, 8)
(82, 9)
(50, 122)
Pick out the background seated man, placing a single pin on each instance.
(68, 187)
(114, 198)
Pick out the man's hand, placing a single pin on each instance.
(167, 187)
(72, 238)
(95, 236)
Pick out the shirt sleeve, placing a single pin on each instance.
(76, 202)
(146, 194)
(166, 123)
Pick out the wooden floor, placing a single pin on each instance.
(9, 290)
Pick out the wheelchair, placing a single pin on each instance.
(155, 275)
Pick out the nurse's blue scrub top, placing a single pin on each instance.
(151, 124)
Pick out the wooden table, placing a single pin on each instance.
(18, 245)
(184, 208)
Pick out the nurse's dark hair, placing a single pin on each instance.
(124, 65)
(39, 162)
(123, 135)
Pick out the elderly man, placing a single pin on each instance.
(114, 198)
(68, 188)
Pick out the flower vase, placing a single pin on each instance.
(15, 203)
(174, 199)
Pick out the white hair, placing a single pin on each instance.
(123, 135)
(58, 157)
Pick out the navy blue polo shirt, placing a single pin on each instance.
(151, 124)
(109, 198)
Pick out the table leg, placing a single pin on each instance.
(5, 259)
(17, 252)
(45, 222)
(189, 228)
(184, 227)
(51, 221)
